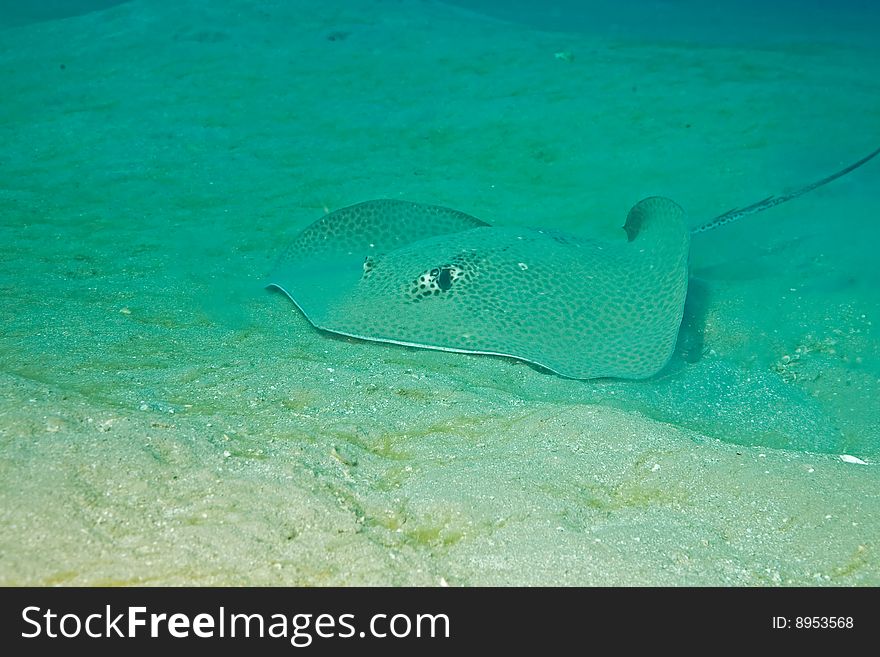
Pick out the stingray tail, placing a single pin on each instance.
(738, 213)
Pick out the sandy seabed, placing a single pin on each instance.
(166, 420)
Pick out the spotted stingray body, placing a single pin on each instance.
(428, 276)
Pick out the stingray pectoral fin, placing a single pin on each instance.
(334, 252)
(653, 283)
(309, 284)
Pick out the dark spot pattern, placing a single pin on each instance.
(437, 278)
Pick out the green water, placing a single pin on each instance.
(193, 427)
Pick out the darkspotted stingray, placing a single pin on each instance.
(428, 276)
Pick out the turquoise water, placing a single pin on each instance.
(194, 428)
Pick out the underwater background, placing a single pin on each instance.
(165, 419)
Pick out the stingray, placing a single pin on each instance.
(433, 277)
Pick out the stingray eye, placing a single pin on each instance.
(444, 280)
